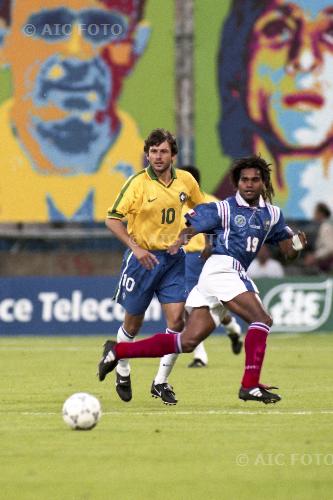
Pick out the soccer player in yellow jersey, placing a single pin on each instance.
(194, 261)
(152, 202)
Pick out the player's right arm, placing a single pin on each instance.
(128, 202)
(184, 237)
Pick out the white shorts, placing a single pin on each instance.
(222, 278)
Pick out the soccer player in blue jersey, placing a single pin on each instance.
(240, 225)
(197, 251)
(152, 203)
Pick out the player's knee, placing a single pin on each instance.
(267, 320)
(189, 344)
(177, 325)
(132, 324)
(263, 317)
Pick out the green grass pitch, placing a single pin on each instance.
(210, 446)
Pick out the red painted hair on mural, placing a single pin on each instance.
(132, 8)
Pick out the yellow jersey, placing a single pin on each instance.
(197, 243)
(153, 209)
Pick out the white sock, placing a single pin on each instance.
(201, 353)
(166, 364)
(233, 327)
(123, 366)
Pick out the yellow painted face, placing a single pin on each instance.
(290, 78)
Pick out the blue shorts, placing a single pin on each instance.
(138, 285)
(193, 268)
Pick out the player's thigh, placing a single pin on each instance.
(249, 307)
(199, 326)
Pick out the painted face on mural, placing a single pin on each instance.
(290, 87)
(68, 60)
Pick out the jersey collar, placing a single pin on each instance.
(153, 176)
(241, 202)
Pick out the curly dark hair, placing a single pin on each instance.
(159, 135)
(261, 165)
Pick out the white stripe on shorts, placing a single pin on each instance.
(122, 275)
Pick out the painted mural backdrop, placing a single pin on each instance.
(77, 96)
(264, 74)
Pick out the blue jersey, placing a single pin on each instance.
(239, 230)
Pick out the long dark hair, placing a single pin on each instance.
(235, 128)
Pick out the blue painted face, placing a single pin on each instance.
(79, 87)
(82, 85)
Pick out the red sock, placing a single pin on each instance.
(255, 346)
(153, 347)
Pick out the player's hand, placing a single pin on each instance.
(174, 248)
(302, 237)
(147, 259)
(299, 241)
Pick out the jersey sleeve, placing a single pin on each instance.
(279, 232)
(126, 201)
(204, 217)
(196, 195)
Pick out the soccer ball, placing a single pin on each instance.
(81, 411)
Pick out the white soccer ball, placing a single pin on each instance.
(81, 411)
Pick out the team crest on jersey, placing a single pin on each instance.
(240, 220)
(183, 197)
(267, 224)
